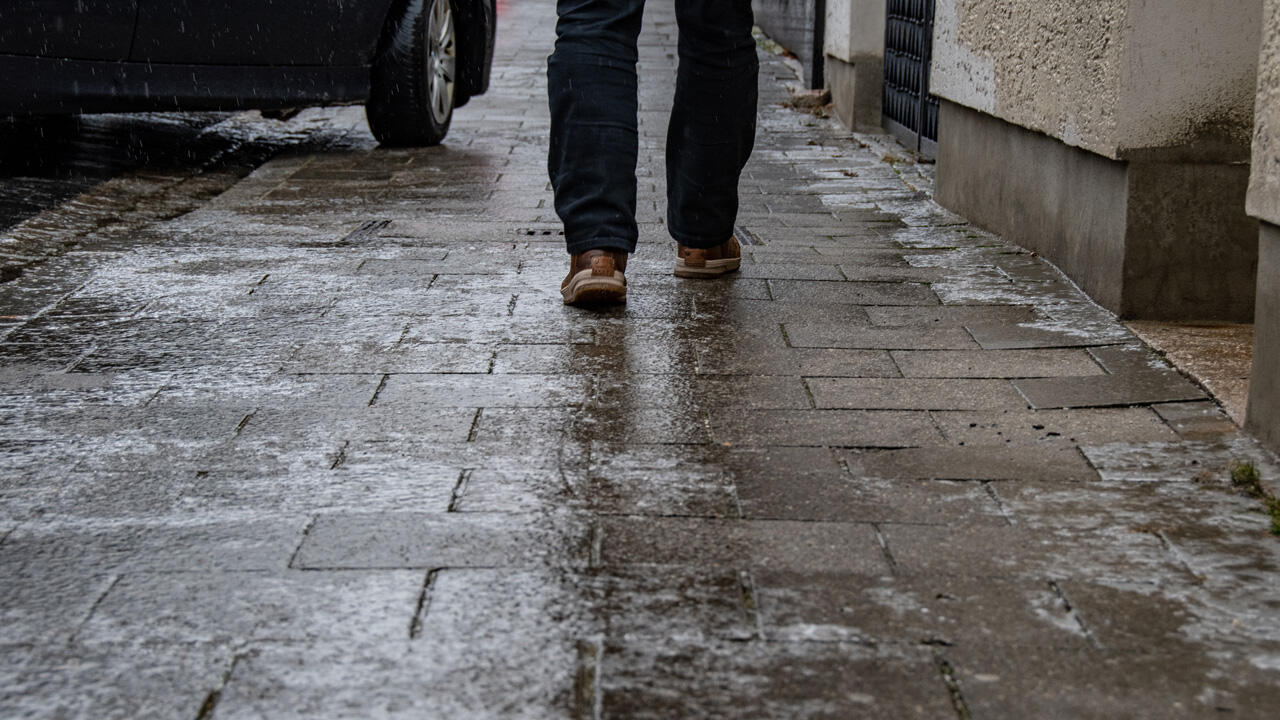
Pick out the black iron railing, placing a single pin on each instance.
(910, 112)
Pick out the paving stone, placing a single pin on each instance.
(1048, 427)
(791, 271)
(1108, 391)
(439, 540)
(951, 316)
(1000, 682)
(172, 681)
(658, 480)
(237, 608)
(1022, 552)
(972, 462)
(227, 544)
(913, 394)
(44, 606)
(706, 391)
(995, 363)
(750, 359)
(937, 610)
(485, 391)
(807, 484)
(827, 336)
(1023, 336)
(820, 428)
(1196, 420)
(784, 545)
(684, 424)
(769, 680)
(856, 293)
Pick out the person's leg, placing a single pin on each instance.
(713, 122)
(591, 80)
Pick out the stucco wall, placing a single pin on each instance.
(1264, 190)
(1110, 76)
(855, 29)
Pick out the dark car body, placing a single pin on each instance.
(87, 56)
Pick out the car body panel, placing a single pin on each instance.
(258, 32)
(48, 86)
(84, 29)
(213, 55)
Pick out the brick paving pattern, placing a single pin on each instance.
(331, 446)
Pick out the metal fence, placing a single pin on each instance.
(910, 112)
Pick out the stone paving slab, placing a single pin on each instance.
(330, 445)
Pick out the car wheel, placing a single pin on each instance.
(414, 77)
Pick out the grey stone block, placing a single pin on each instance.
(1015, 337)
(938, 610)
(818, 428)
(233, 609)
(828, 336)
(951, 315)
(1263, 417)
(1051, 427)
(1001, 682)
(914, 394)
(972, 462)
(1202, 420)
(856, 90)
(115, 682)
(769, 680)
(485, 391)
(440, 540)
(995, 363)
(779, 545)
(855, 293)
(1108, 391)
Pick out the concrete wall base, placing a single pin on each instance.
(857, 89)
(1158, 238)
(1263, 415)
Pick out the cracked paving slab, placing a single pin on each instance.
(324, 442)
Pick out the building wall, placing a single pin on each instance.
(1264, 188)
(855, 29)
(854, 46)
(1159, 92)
(794, 24)
(1109, 76)
(1264, 203)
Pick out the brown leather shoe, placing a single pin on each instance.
(596, 278)
(709, 262)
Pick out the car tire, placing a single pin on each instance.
(412, 89)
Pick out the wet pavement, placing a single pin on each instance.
(329, 445)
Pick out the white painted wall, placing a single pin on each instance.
(1264, 187)
(854, 29)
(1110, 76)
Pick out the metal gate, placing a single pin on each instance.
(910, 112)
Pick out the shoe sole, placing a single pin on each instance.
(588, 289)
(713, 268)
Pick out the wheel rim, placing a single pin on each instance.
(442, 60)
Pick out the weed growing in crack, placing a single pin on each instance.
(1248, 480)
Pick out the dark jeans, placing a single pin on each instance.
(594, 141)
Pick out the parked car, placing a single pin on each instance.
(410, 61)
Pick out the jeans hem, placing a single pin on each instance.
(699, 242)
(577, 247)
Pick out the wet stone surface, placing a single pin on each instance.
(323, 441)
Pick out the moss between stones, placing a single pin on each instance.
(1246, 477)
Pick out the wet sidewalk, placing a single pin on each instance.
(331, 446)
